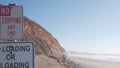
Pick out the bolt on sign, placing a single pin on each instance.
(16, 55)
(11, 22)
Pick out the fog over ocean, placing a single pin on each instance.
(104, 57)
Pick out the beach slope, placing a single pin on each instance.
(42, 61)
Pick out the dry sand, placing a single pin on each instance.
(46, 62)
(88, 63)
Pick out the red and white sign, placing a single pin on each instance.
(11, 22)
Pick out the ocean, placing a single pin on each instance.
(104, 57)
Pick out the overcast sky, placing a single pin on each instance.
(78, 25)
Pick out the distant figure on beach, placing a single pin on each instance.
(63, 58)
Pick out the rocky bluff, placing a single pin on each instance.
(45, 43)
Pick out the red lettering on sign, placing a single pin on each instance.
(5, 11)
(11, 33)
(14, 20)
(11, 26)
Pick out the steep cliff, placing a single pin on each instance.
(45, 43)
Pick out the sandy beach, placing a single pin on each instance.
(42, 61)
(90, 63)
(45, 62)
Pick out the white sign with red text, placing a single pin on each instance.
(11, 22)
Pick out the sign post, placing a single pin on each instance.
(11, 22)
(16, 55)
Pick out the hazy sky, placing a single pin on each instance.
(79, 25)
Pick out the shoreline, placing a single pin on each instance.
(92, 63)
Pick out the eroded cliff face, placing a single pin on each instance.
(45, 43)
